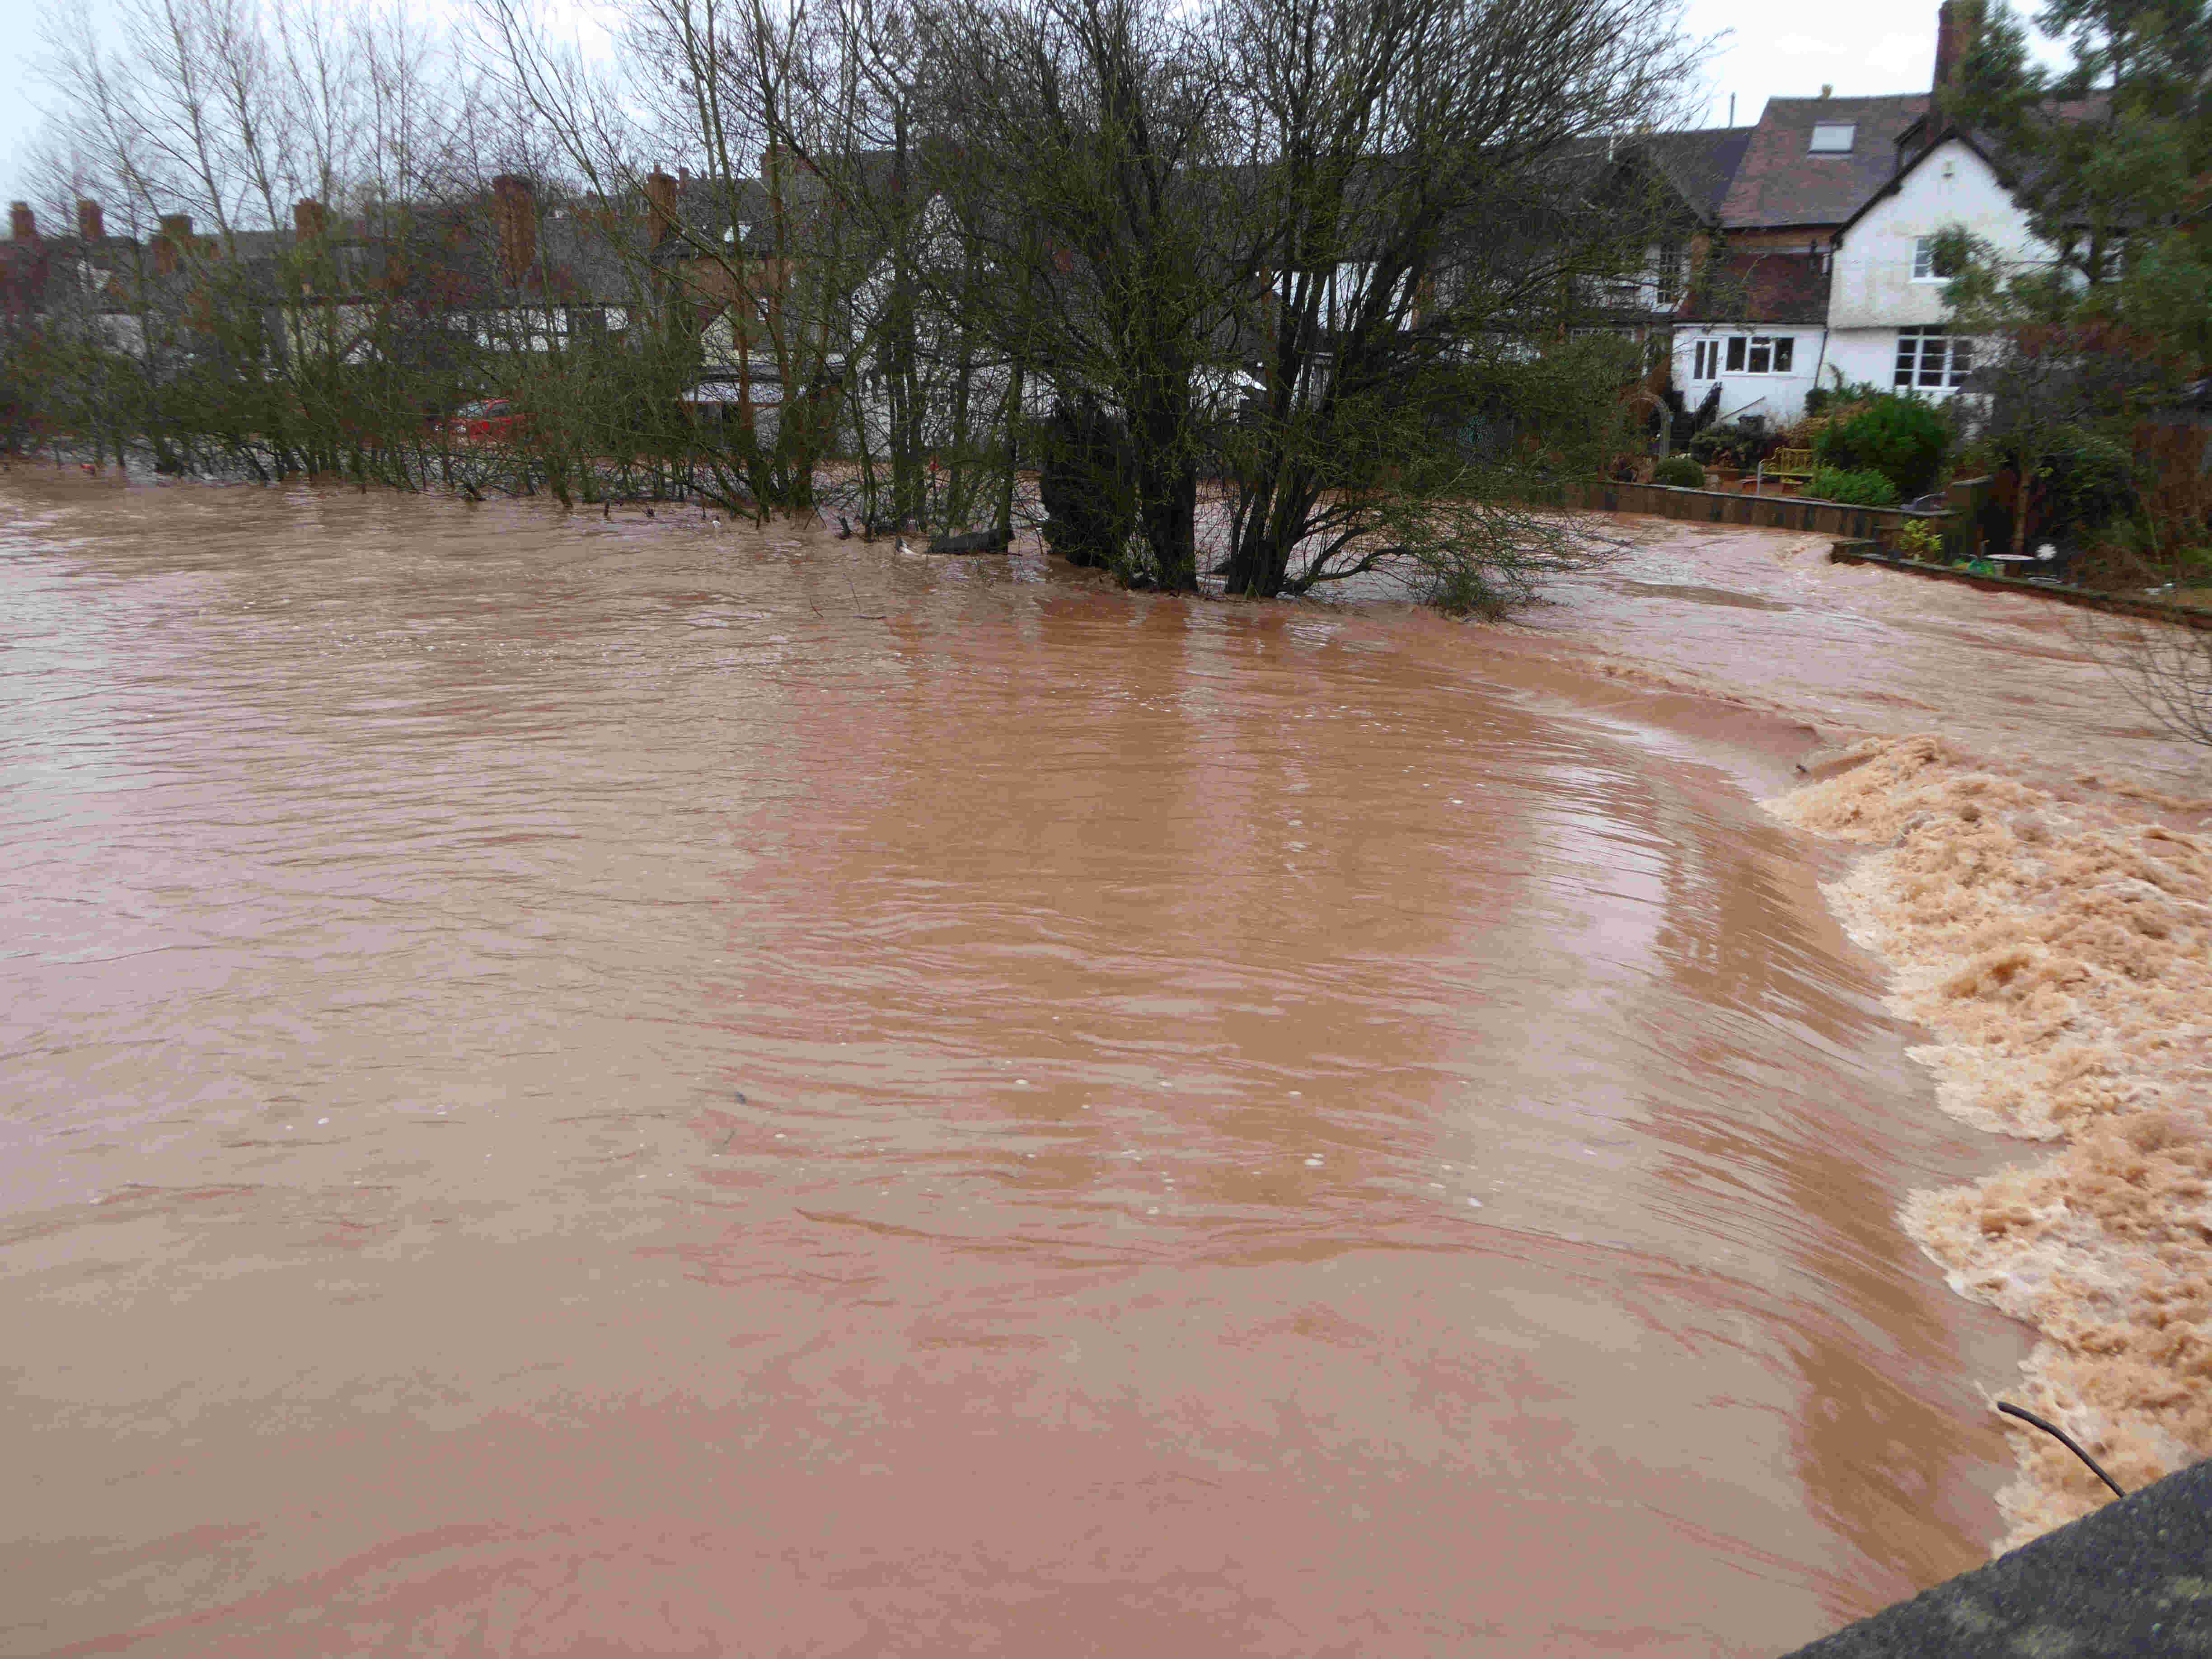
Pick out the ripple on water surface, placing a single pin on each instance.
(693, 1089)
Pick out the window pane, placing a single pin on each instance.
(1762, 356)
(1735, 354)
(1931, 359)
(1908, 345)
(1786, 353)
(1833, 137)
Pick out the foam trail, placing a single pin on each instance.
(2062, 959)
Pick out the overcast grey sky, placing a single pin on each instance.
(1871, 46)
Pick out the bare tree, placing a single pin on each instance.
(1084, 164)
(1432, 181)
(2163, 668)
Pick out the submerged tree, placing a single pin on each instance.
(1338, 255)
(1430, 186)
(1081, 156)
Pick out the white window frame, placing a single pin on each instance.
(1849, 129)
(1919, 368)
(1705, 359)
(1753, 353)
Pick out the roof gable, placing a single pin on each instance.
(1918, 158)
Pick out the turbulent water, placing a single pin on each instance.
(2039, 883)
(636, 1086)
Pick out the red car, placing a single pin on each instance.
(490, 420)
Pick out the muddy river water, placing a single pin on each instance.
(577, 1087)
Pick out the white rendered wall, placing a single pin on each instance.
(1868, 355)
(1778, 399)
(1872, 284)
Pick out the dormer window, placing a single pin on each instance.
(1833, 138)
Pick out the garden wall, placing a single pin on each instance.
(1873, 552)
(1767, 512)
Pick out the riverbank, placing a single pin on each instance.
(2035, 872)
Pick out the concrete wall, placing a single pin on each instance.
(1872, 284)
(1780, 398)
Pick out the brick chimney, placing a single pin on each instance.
(310, 219)
(517, 201)
(91, 222)
(23, 223)
(661, 205)
(172, 243)
(1957, 23)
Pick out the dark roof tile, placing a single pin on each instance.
(1760, 288)
(1781, 184)
(1701, 164)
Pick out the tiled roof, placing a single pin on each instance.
(1702, 164)
(1780, 183)
(711, 210)
(1760, 288)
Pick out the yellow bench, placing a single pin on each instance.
(1795, 464)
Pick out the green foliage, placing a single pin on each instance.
(1900, 438)
(1859, 489)
(2109, 155)
(1733, 445)
(2085, 481)
(1917, 538)
(1680, 470)
(1822, 398)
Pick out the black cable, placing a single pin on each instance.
(2063, 1439)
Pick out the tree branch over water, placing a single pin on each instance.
(1342, 257)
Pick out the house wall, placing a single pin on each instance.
(1868, 356)
(1872, 284)
(1780, 399)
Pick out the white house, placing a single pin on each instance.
(1824, 263)
(1755, 320)
(1865, 304)
(1886, 311)
(1767, 360)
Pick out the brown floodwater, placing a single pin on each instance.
(578, 1086)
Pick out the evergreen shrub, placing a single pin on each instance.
(1864, 488)
(1900, 438)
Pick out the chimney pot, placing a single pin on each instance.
(23, 223)
(91, 222)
